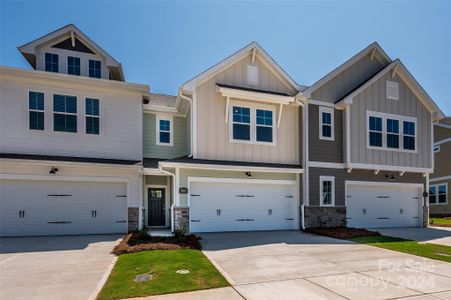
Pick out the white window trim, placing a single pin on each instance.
(436, 148)
(93, 116)
(36, 110)
(329, 110)
(393, 84)
(253, 123)
(171, 129)
(65, 113)
(321, 180)
(437, 194)
(384, 117)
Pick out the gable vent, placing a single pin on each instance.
(252, 75)
(392, 90)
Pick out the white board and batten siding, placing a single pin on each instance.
(213, 132)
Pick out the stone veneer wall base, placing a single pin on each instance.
(325, 216)
(181, 218)
(133, 219)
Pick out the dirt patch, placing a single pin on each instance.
(136, 242)
(343, 233)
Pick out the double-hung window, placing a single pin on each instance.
(438, 194)
(36, 110)
(375, 131)
(95, 68)
(392, 133)
(265, 125)
(64, 113)
(92, 112)
(164, 131)
(51, 62)
(327, 190)
(73, 65)
(326, 121)
(409, 135)
(241, 123)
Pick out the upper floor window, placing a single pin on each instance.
(375, 132)
(327, 190)
(409, 135)
(64, 113)
(51, 62)
(241, 123)
(95, 68)
(438, 194)
(254, 125)
(264, 130)
(392, 133)
(384, 132)
(73, 65)
(92, 112)
(36, 110)
(164, 131)
(252, 75)
(326, 123)
(392, 90)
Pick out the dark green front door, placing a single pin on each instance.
(156, 206)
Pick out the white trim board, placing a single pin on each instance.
(440, 178)
(240, 180)
(229, 168)
(442, 141)
(388, 168)
(329, 165)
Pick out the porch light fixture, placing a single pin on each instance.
(248, 174)
(53, 170)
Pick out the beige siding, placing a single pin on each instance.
(374, 99)
(213, 131)
(441, 133)
(441, 209)
(348, 80)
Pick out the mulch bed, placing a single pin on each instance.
(136, 242)
(343, 233)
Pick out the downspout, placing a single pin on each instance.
(190, 120)
(173, 194)
(301, 103)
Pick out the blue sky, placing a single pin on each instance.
(165, 43)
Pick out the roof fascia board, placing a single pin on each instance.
(374, 46)
(255, 96)
(61, 77)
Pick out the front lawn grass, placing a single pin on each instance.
(163, 265)
(434, 251)
(444, 222)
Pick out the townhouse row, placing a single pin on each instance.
(240, 147)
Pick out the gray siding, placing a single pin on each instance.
(348, 80)
(374, 99)
(324, 150)
(442, 161)
(181, 140)
(341, 175)
(441, 133)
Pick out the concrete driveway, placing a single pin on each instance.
(296, 265)
(434, 235)
(65, 267)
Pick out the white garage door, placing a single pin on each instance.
(245, 206)
(33, 207)
(379, 206)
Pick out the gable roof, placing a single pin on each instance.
(372, 49)
(191, 84)
(398, 67)
(29, 50)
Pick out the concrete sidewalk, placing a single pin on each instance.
(433, 235)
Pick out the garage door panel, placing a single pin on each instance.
(378, 206)
(60, 207)
(219, 206)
